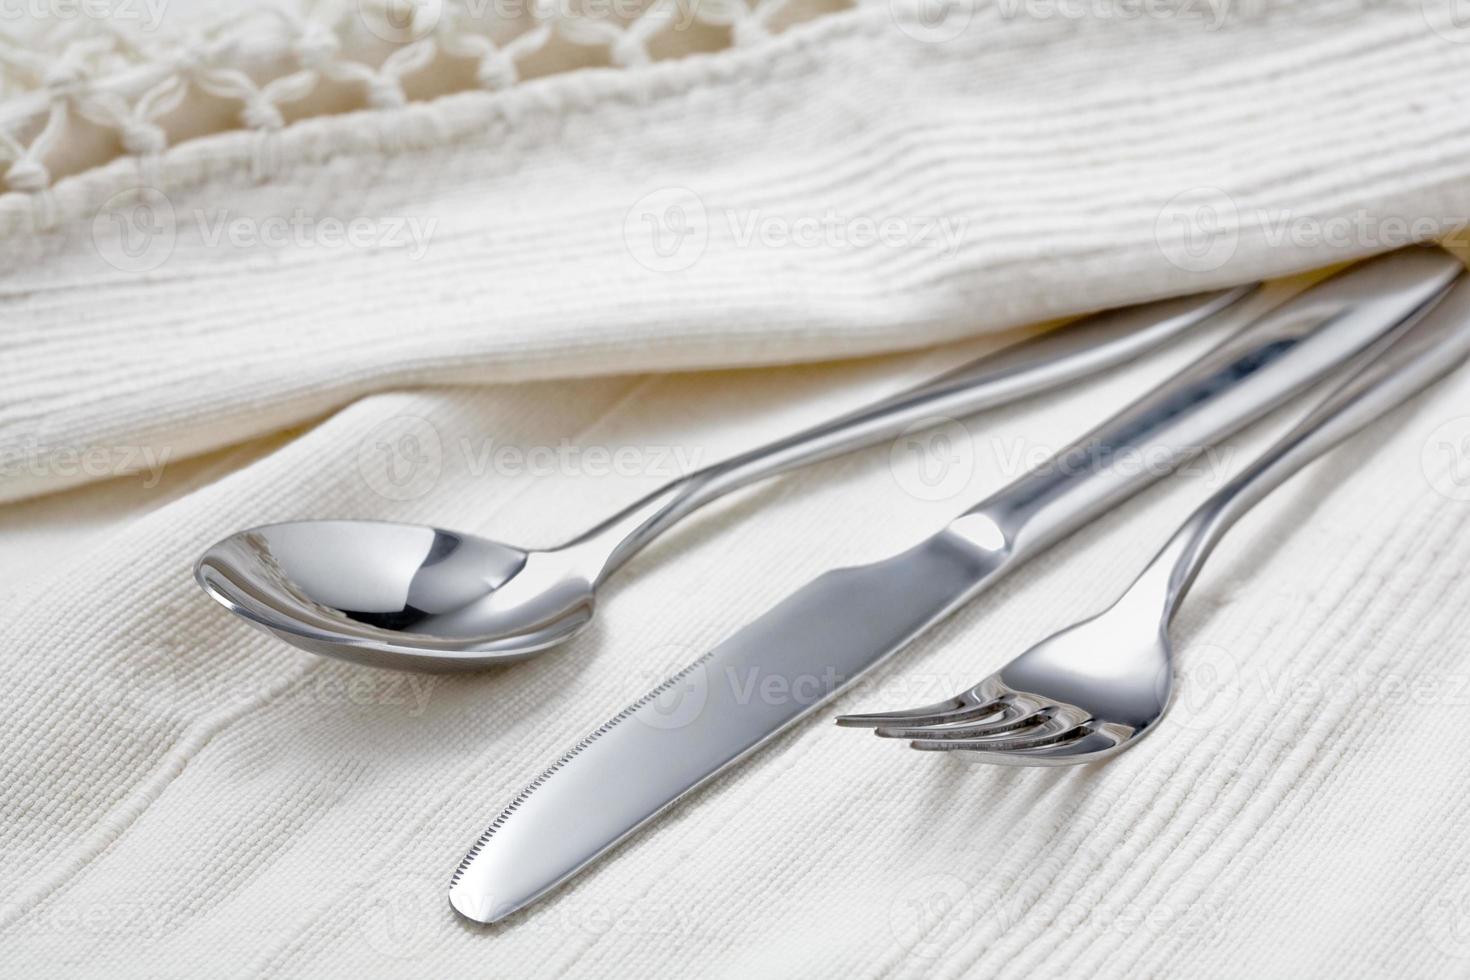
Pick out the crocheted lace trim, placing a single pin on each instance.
(113, 79)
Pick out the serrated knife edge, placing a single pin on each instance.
(581, 745)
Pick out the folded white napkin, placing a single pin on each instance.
(183, 795)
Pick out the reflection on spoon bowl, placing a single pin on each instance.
(401, 596)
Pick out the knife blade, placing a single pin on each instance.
(796, 656)
(729, 701)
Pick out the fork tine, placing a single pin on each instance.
(1062, 733)
(1089, 747)
(1086, 743)
(980, 701)
(1023, 716)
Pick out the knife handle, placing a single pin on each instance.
(1088, 346)
(1249, 374)
(1438, 344)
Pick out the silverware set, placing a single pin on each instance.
(420, 598)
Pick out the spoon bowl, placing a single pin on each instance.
(403, 596)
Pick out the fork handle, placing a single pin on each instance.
(1413, 361)
(1091, 345)
(1246, 376)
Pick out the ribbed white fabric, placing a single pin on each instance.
(1056, 145)
(184, 796)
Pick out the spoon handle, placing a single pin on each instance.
(1404, 364)
(1089, 346)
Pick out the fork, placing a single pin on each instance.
(1095, 688)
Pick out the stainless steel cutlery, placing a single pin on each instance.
(627, 771)
(420, 598)
(1095, 688)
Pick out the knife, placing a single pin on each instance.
(796, 656)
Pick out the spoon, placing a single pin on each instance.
(411, 597)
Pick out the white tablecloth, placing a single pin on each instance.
(183, 796)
